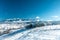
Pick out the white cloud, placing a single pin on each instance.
(37, 17)
(49, 20)
(55, 16)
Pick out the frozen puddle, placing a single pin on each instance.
(40, 33)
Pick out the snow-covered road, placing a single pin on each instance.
(40, 33)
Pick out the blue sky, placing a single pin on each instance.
(45, 9)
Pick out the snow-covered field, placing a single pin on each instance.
(6, 28)
(40, 33)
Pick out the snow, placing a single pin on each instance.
(40, 33)
(10, 27)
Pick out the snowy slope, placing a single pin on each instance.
(6, 28)
(40, 33)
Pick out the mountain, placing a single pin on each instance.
(6, 26)
(40, 33)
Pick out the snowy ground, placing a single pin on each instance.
(6, 28)
(40, 33)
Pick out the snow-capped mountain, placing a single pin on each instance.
(16, 27)
(12, 24)
(40, 33)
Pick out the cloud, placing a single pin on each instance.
(55, 16)
(49, 20)
(37, 17)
